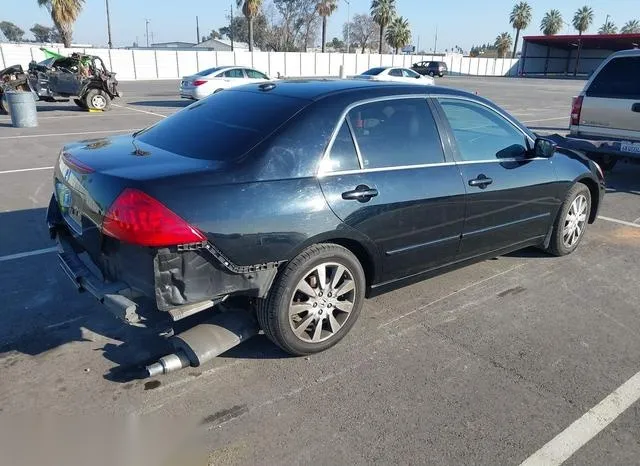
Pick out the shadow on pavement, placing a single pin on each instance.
(163, 103)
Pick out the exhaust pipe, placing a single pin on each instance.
(204, 342)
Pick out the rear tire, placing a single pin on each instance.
(97, 99)
(571, 222)
(80, 103)
(315, 300)
(4, 104)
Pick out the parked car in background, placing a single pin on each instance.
(392, 73)
(303, 197)
(605, 117)
(431, 68)
(212, 80)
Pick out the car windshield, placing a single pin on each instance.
(207, 72)
(224, 126)
(373, 72)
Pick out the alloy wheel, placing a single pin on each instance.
(98, 102)
(574, 221)
(322, 302)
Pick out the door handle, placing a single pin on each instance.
(636, 107)
(481, 181)
(362, 193)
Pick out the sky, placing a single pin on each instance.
(459, 22)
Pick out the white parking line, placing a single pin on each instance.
(547, 119)
(141, 111)
(20, 170)
(570, 440)
(25, 136)
(21, 255)
(621, 222)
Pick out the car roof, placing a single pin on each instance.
(316, 89)
(627, 53)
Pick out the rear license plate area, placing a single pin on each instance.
(70, 204)
(630, 147)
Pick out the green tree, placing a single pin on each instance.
(12, 32)
(520, 18)
(64, 14)
(398, 33)
(41, 33)
(551, 23)
(325, 8)
(608, 28)
(336, 44)
(383, 12)
(250, 9)
(503, 43)
(631, 27)
(583, 19)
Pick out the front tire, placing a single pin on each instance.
(315, 300)
(572, 221)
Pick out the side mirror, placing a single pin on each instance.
(418, 77)
(544, 148)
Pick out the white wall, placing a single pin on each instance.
(173, 64)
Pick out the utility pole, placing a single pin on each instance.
(435, 45)
(108, 24)
(348, 25)
(197, 31)
(231, 26)
(146, 25)
(418, 47)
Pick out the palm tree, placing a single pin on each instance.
(520, 18)
(399, 33)
(608, 28)
(63, 13)
(250, 9)
(503, 44)
(631, 27)
(383, 12)
(551, 23)
(325, 8)
(583, 19)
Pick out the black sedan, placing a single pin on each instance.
(430, 68)
(304, 197)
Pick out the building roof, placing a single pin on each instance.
(173, 44)
(210, 42)
(592, 41)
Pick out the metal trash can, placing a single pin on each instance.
(22, 107)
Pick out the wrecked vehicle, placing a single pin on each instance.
(58, 78)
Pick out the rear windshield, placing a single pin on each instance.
(224, 126)
(373, 72)
(619, 79)
(207, 72)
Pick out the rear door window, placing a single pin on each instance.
(235, 73)
(619, 79)
(220, 127)
(253, 74)
(399, 132)
(396, 72)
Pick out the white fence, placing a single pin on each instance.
(172, 64)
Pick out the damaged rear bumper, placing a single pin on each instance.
(180, 281)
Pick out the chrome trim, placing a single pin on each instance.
(412, 247)
(505, 225)
(355, 144)
(383, 169)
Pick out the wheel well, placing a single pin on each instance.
(595, 197)
(361, 254)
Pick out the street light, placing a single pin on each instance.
(146, 25)
(108, 24)
(348, 25)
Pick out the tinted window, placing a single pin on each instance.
(207, 72)
(373, 72)
(220, 127)
(618, 79)
(395, 133)
(482, 134)
(395, 72)
(343, 155)
(253, 74)
(235, 73)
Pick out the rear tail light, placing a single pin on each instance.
(137, 218)
(199, 82)
(576, 109)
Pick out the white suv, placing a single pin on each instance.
(605, 117)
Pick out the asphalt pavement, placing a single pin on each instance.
(483, 365)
